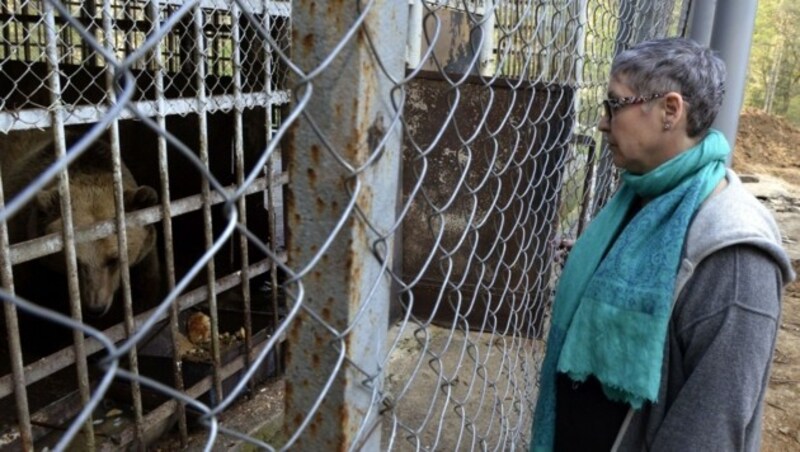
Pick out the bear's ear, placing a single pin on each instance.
(48, 202)
(140, 198)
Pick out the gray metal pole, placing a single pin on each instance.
(701, 21)
(732, 37)
(337, 342)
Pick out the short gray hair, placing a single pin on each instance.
(680, 65)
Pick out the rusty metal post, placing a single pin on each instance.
(337, 342)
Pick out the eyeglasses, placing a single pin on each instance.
(613, 105)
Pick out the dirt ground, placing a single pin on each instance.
(767, 147)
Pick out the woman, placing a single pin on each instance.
(667, 310)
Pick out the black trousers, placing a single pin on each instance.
(586, 420)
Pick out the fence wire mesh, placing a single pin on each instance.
(341, 219)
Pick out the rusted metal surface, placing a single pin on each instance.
(448, 224)
(166, 222)
(53, 243)
(67, 224)
(14, 345)
(336, 342)
(48, 365)
(514, 140)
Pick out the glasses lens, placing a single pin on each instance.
(607, 109)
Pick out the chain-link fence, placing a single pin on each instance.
(431, 155)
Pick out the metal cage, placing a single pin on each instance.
(340, 219)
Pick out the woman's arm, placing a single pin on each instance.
(724, 325)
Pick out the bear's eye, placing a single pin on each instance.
(112, 262)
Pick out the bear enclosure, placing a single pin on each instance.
(339, 219)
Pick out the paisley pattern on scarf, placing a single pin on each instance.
(615, 294)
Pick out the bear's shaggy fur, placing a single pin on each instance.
(24, 156)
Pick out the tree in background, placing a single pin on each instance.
(774, 70)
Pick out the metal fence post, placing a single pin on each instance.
(701, 20)
(732, 36)
(336, 344)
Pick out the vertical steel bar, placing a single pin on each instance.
(415, 35)
(81, 364)
(12, 331)
(201, 61)
(274, 189)
(88, 12)
(732, 36)
(28, 10)
(7, 39)
(125, 277)
(154, 9)
(488, 58)
(121, 230)
(701, 20)
(351, 107)
(238, 136)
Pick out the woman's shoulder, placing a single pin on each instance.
(733, 216)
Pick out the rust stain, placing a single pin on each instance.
(364, 201)
(295, 330)
(291, 134)
(312, 176)
(308, 42)
(326, 313)
(315, 360)
(315, 154)
(356, 145)
(320, 205)
(313, 426)
(344, 416)
(288, 389)
(291, 210)
(288, 354)
(291, 200)
(297, 420)
(375, 133)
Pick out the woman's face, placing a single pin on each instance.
(635, 133)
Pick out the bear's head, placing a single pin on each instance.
(98, 261)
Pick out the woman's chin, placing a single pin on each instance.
(617, 159)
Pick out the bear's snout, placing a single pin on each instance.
(98, 286)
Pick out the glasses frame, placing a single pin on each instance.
(611, 106)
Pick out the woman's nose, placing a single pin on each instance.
(605, 123)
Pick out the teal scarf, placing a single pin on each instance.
(614, 298)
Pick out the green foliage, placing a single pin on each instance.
(774, 70)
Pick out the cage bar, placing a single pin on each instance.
(82, 367)
(14, 344)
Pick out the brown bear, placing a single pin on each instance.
(25, 155)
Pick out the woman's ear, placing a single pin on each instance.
(674, 107)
